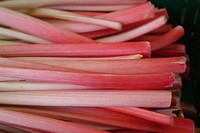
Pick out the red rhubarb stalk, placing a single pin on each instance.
(38, 28)
(67, 114)
(181, 125)
(77, 116)
(168, 53)
(108, 117)
(149, 38)
(42, 123)
(168, 38)
(77, 50)
(175, 47)
(145, 114)
(171, 51)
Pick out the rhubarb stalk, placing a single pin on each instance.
(168, 38)
(145, 114)
(64, 15)
(118, 66)
(83, 98)
(21, 36)
(111, 81)
(20, 4)
(131, 34)
(131, 57)
(27, 86)
(126, 16)
(38, 28)
(42, 123)
(77, 50)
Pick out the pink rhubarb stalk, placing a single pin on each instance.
(138, 81)
(42, 123)
(168, 38)
(27, 86)
(142, 66)
(77, 50)
(131, 34)
(134, 98)
(38, 28)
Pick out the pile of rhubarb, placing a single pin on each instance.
(90, 66)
